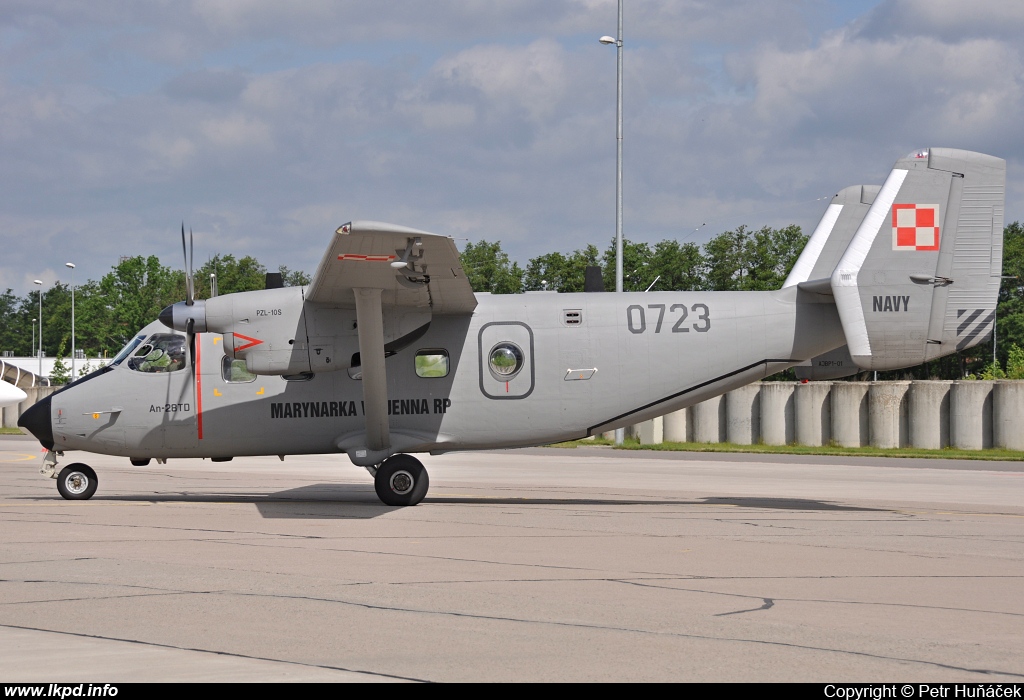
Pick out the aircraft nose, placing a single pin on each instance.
(37, 421)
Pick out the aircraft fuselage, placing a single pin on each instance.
(590, 363)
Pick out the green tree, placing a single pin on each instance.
(677, 267)
(742, 260)
(56, 316)
(561, 273)
(294, 278)
(242, 275)
(130, 297)
(637, 273)
(1010, 310)
(489, 269)
(15, 324)
(771, 254)
(61, 373)
(1015, 362)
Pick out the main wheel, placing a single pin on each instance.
(77, 482)
(401, 481)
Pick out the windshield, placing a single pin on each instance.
(163, 352)
(127, 350)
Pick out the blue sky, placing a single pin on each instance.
(264, 125)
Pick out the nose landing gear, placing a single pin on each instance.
(77, 482)
(401, 481)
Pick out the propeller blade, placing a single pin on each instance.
(188, 281)
(191, 260)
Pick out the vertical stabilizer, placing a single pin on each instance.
(832, 234)
(817, 261)
(920, 277)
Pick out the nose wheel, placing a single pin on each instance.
(77, 482)
(401, 481)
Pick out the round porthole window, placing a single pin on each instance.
(505, 361)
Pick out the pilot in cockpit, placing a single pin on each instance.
(162, 353)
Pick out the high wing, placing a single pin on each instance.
(369, 255)
(373, 267)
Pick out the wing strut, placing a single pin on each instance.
(370, 320)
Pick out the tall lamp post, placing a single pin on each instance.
(39, 352)
(620, 433)
(72, 266)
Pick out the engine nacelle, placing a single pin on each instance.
(266, 328)
(276, 332)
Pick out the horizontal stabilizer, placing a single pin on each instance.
(832, 365)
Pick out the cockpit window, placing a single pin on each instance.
(127, 350)
(162, 352)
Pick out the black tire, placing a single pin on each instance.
(401, 481)
(77, 482)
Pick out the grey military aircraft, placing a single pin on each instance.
(388, 352)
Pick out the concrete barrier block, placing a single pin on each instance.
(813, 413)
(849, 404)
(743, 415)
(929, 414)
(675, 426)
(709, 420)
(888, 414)
(777, 421)
(10, 416)
(1008, 415)
(970, 415)
(652, 431)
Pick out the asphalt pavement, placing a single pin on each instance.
(546, 564)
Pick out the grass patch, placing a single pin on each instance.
(11, 431)
(946, 453)
(572, 444)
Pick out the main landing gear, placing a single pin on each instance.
(401, 480)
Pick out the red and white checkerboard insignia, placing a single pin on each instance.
(366, 258)
(915, 226)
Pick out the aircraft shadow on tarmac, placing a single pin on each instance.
(349, 501)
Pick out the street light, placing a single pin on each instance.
(72, 266)
(620, 433)
(39, 354)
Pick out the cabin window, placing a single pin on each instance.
(234, 371)
(160, 353)
(432, 363)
